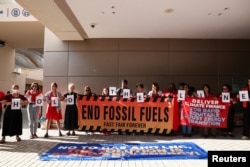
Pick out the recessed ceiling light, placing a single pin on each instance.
(169, 10)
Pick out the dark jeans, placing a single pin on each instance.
(246, 120)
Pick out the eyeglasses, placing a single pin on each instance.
(87, 90)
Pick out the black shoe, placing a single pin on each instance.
(60, 134)
(46, 135)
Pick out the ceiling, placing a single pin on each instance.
(85, 19)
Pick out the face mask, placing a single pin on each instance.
(14, 91)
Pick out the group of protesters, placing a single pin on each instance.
(12, 117)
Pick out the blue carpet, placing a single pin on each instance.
(124, 151)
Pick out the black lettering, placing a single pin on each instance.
(166, 114)
(39, 101)
(15, 104)
(84, 112)
(133, 114)
(148, 113)
(111, 112)
(225, 97)
(159, 115)
(70, 100)
(105, 108)
(118, 114)
(124, 117)
(154, 114)
(90, 112)
(97, 113)
(142, 112)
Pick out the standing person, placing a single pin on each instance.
(208, 94)
(33, 111)
(139, 89)
(71, 112)
(2, 94)
(186, 129)
(53, 111)
(230, 117)
(155, 92)
(87, 91)
(171, 94)
(124, 85)
(246, 113)
(12, 119)
(105, 93)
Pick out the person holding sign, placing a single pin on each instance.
(207, 94)
(185, 120)
(124, 86)
(12, 118)
(105, 93)
(33, 110)
(244, 98)
(53, 112)
(228, 97)
(155, 91)
(71, 112)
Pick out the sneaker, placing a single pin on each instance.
(244, 137)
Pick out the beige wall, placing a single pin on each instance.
(105, 62)
(7, 66)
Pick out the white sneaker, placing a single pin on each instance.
(244, 137)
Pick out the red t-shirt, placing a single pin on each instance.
(33, 95)
(2, 94)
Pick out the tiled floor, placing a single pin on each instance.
(26, 153)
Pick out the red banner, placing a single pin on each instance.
(154, 115)
(204, 112)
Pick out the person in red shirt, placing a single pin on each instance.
(228, 131)
(246, 113)
(208, 131)
(171, 94)
(33, 111)
(12, 118)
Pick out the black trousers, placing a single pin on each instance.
(246, 120)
